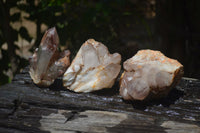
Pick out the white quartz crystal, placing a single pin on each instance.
(149, 74)
(93, 68)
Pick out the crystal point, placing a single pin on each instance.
(47, 63)
(93, 68)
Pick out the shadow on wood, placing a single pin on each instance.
(26, 108)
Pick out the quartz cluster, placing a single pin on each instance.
(93, 68)
(149, 74)
(47, 63)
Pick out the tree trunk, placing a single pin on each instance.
(171, 27)
(8, 34)
(177, 25)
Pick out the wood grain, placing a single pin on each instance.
(24, 107)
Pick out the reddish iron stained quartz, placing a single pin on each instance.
(47, 63)
(149, 74)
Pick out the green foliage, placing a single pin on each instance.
(78, 20)
(8, 36)
(75, 20)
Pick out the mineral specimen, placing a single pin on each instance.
(47, 63)
(149, 74)
(93, 68)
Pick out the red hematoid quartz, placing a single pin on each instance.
(47, 63)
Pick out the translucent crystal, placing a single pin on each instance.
(149, 74)
(93, 68)
(47, 63)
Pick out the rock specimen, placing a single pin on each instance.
(93, 68)
(149, 74)
(47, 63)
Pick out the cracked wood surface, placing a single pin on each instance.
(24, 107)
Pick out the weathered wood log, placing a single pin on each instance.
(24, 107)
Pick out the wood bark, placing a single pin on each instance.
(177, 27)
(24, 107)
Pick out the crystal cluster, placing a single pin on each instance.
(149, 74)
(47, 63)
(93, 68)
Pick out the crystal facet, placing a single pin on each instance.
(93, 68)
(47, 63)
(149, 74)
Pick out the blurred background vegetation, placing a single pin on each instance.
(125, 26)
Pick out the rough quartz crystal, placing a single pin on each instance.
(47, 63)
(149, 74)
(93, 68)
